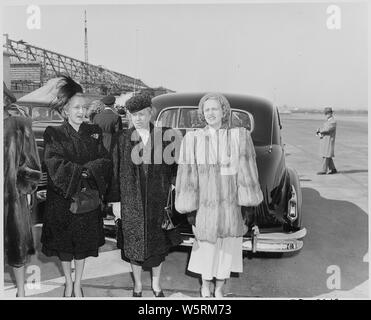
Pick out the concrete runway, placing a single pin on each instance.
(335, 209)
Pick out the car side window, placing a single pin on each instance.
(242, 119)
(40, 114)
(190, 118)
(168, 118)
(56, 115)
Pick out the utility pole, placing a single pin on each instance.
(86, 39)
(86, 73)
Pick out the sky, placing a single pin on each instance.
(283, 52)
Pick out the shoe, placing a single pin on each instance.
(137, 294)
(321, 172)
(158, 294)
(333, 171)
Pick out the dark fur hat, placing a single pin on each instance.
(138, 102)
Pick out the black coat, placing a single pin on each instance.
(143, 191)
(22, 172)
(111, 124)
(66, 154)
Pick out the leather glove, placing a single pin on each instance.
(191, 217)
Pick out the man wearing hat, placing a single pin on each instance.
(141, 192)
(111, 124)
(327, 143)
(109, 121)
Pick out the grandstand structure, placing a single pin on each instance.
(31, 67)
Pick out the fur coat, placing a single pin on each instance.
(327, 142)
(67, 153)
(217, 174)
(143, 190)
(22, 172)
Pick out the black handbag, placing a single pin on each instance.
(170, 222)
(87, 199)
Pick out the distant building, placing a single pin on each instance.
(25, 77)
(6, 68)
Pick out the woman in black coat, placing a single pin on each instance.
(73, 152)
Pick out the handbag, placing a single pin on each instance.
(87, 199)
(168, 220)
(170, 223)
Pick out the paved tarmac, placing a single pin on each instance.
(335, 209)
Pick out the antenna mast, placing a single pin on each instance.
(86, 39)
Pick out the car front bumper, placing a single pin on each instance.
(265, 242)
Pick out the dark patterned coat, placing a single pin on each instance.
(143, 191)
(67, 152)
(22, 173)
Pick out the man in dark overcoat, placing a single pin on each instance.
(109, 121)
(327, 135)
(111, 124)
(143, 178)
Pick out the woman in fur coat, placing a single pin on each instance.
(73, 152)
(217, 175)
(142, 187)
(22, 172)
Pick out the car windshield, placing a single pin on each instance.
(45, 114)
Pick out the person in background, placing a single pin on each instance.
(327, 135)
(93, 109)
(110, 122)
(22, 172)
(217, 178)
(74, 156)
(140, 194)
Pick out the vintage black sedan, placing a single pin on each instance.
(279, 216)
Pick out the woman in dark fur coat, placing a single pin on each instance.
(73, 152)
(142, 188)
(22, 173)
